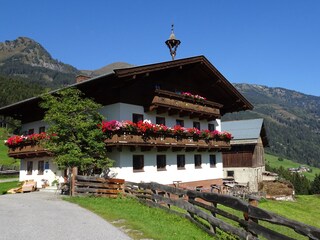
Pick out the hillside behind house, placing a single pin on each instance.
(292, 119)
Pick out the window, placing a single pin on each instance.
(46, 166)
(40, 167)
(42, 129)
(161, 162)
(211, 127)
(196, 125)
(197, 161)
(137, 117)
(180, 122)
(160, 120)
(230, 173)
(213, 161)
(29, 167)
(31, 131)
(181, 161)
(137, 162)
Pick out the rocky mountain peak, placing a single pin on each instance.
(26, 58)
(25, 50)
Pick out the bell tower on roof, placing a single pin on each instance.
(173, 43)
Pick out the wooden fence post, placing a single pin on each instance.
(73, 179)
(192, 199)
(253, 201)
(213, 228)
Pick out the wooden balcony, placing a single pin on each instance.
(174, 103)
(165, 143)
(28, 151)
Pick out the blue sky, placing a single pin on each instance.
(268, 42)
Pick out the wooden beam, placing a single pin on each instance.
(202, 149)
(162, 148)
(183, 113)
(146, 148)
(161, 110)
(177, 149)
(172, 111)
(119, 148)
(190, 149)
(132, 148)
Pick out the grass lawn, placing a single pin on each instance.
(274, 162)
(145, 222)
(158, 224)
(8, 176)
(4, 159)
(305, 210)
(4, 187)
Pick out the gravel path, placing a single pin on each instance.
(41, 215)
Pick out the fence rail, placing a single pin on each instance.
(87, 185)
(205, 206)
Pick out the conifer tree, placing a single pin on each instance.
(315, 185)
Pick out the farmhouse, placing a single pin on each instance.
(188, 93)
(244, 162)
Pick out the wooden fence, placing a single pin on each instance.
(205, 206)
(87, 185)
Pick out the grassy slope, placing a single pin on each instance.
(151, 222)
(4, 159)
(4, 187)
(157, 224)
(274, 162)
(305, 209)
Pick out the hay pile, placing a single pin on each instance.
(276, 188)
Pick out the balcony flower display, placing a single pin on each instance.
(16, 141)
(194, 131)
(147, 129)
(195, 97)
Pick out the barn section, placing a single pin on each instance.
(245, 160)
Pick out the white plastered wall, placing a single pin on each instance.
(124, 169)
(33, 125)
(251, 176)
(50, 174)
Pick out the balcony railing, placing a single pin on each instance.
(174, 103)
(28, 151)
(166, 142)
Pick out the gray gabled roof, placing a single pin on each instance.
(246, 130)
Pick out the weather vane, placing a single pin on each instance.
(173, 43)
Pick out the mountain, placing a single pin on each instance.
(292, 121)
(106, 69)
(27, 59)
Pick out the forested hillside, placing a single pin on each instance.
(292, 120)
(14, 90)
